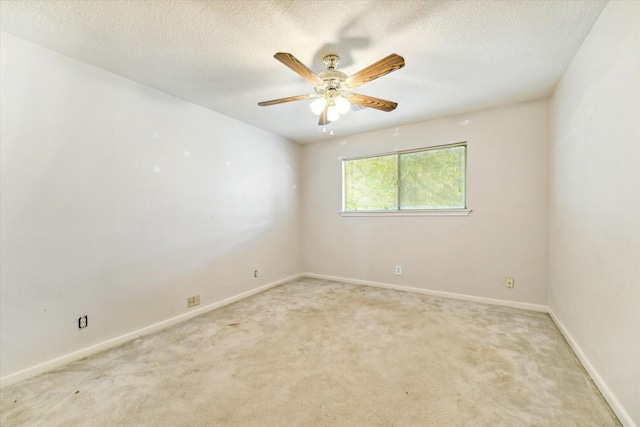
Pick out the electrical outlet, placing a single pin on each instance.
(255, 273)
(509, 282)
(83, 321)
(398, 270)
(193, 301)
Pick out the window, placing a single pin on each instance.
(423, 181)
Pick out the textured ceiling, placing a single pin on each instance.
(460, 55)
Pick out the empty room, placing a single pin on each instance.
(320, 213)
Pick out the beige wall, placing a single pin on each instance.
(594, 269)
(120, 202)
(505, 235)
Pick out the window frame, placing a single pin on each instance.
(464, 211)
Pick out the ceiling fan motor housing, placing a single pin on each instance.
(331, 61)
(333, 80)
(333, 85)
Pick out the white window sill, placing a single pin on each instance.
(410, 212)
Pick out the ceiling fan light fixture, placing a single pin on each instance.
(342, 104)
(317, 106)
(332, 113)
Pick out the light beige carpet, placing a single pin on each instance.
(319, 353)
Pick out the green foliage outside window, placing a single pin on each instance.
(418, 179)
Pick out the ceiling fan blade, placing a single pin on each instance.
(323, 116)
(297, 66)
(385, 66)
(282, 100)
(371, 102)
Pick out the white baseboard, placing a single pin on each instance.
(114, 342)
(619, 410)
(614, 403)
(504, 303)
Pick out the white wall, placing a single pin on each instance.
(594, 268)
(120, 202)
(505, 235)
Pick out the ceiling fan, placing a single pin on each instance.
(334, 89)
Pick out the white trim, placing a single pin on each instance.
(410, 212)
(504, 303)
(411, 150)
(114, 342)
(614, 403)
(406, 212)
